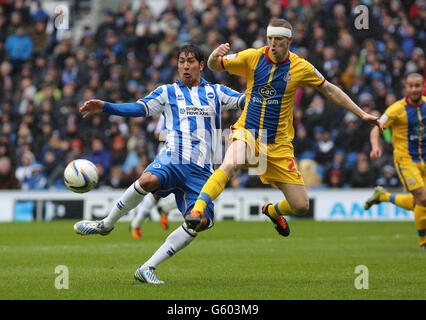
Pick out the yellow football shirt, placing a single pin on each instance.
(271, 91)
(408, 124)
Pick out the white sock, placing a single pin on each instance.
(128, 201)
(176, 241)
(143, 210)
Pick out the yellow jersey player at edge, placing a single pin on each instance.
(273, 74)
(407, 118)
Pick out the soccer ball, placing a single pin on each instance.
(80, 176)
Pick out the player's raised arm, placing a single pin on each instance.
(214, 62)
(339, 97)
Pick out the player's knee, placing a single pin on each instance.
(421, 201)
(420, 197)
(149, 182)
(301, 208)
(230, 168)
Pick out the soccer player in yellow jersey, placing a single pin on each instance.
(407, 118)
(265, 126)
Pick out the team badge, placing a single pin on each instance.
(287, 77)
(210, 95)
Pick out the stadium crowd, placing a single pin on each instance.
(45, 76)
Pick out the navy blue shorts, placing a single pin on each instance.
(185, 181)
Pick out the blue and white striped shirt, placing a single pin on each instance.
(193, 119)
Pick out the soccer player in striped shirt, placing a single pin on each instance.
(192, 110)
(265, 127)
(407, 118)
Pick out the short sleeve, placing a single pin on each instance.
(237, 63)
(311, 76)
(389, 117)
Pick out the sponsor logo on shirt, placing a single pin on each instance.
(267, 91)
(231, 56)
(197, 111)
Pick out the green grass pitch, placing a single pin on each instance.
(232, 261)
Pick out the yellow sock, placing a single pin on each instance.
(211, 190)
(280, 208)
(384, 197)
(420, 220)
(405, 201)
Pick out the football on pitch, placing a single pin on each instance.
(80, 176)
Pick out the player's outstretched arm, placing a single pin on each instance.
(120, 109)
(340, 98)
(214, 59)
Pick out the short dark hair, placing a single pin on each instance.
(277, 22)
(190, 48)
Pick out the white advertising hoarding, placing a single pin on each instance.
(239, 204)
(348, 205)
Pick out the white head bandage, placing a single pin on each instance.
(278, 31)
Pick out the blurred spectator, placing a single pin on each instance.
(19, 46)
(8, 178)
(311, 173)
(362, 175)
(324, 149)
(54, 144)
(336, 171)
(118, 178)
(347, 137)
(239, 180)
(24, 169)
(388, 177)
(37, 180)
(99, 155)
(118, 150)
(39, 37)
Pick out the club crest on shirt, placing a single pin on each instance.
(210, 95)
(287, 77)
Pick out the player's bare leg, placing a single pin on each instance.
(296, 203)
